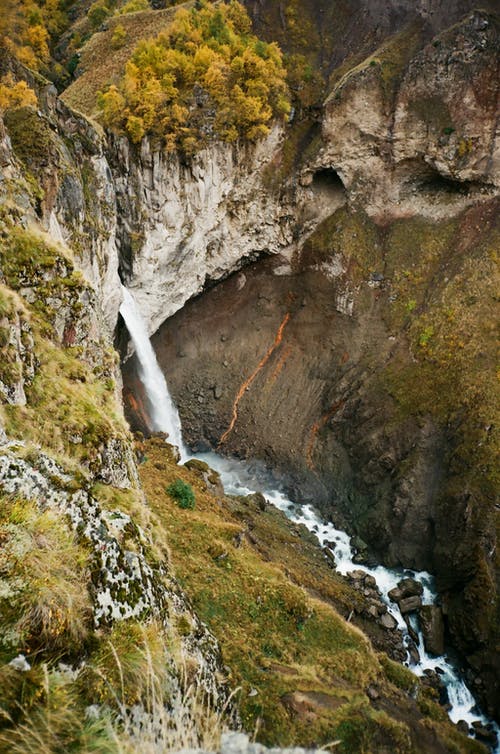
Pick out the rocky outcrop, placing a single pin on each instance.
(419, 135)
(186, 223)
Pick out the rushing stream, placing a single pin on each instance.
(240, 478)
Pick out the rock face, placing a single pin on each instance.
(422, 139)
(431, 619)
(319, 411)
(183, 226)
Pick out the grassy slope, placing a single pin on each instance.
(259, 583)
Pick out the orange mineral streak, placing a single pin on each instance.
(315, 429)
(281, 362)
(249, 380)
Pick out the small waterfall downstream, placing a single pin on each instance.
(238, 478)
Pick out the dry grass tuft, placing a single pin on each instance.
(44, 601)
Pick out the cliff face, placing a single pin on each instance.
(419, 136)
(81, 566)
(185, 225)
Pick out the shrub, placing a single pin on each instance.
(182, 493)
(119, 37)
(98, 12)
(15, 94)
(133, 6)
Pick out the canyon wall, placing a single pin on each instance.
(375, 394)
(378, 390)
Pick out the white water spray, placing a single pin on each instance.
(239, 479)
(164, 415)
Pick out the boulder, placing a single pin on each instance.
(405, 588)
(388, 621)
(432, 625)
(410, 587)
(463, 727)
(485, 733)
(410, 604)
(330, 557)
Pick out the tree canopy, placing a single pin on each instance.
(204, 76)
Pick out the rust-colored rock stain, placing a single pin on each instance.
(246, 384)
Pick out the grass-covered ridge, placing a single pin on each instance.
(205, 75)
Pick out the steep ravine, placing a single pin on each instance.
(349, 346)
(360, 366)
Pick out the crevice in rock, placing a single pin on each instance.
(435, 183)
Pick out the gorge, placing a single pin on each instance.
(241, 480)
(320, 301)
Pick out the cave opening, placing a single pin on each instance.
(436, 183)
(328, 180)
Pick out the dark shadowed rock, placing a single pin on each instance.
(432, 624)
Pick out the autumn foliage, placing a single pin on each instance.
(204, 76)
(26, 27)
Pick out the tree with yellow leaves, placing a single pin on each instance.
(205, 75)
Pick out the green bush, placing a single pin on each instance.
(98, 12)
(182, 493)
(119, 37)
(133, 6)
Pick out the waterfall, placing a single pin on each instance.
(164, 415)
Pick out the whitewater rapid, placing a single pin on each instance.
(240, 478)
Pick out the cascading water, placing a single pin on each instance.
(239, 479)
(164, 415)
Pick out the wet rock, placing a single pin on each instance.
(360, 558)
(358, 544)
(413, 652)
(484, 733)
(463, 727)
(432, 625)
(410, 604)
(433, 679)
(410, 587)
(405, 588)
(411, 631)
(388, 621)
(330, 557)
(357, 575)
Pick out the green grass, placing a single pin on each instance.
(45, 604)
